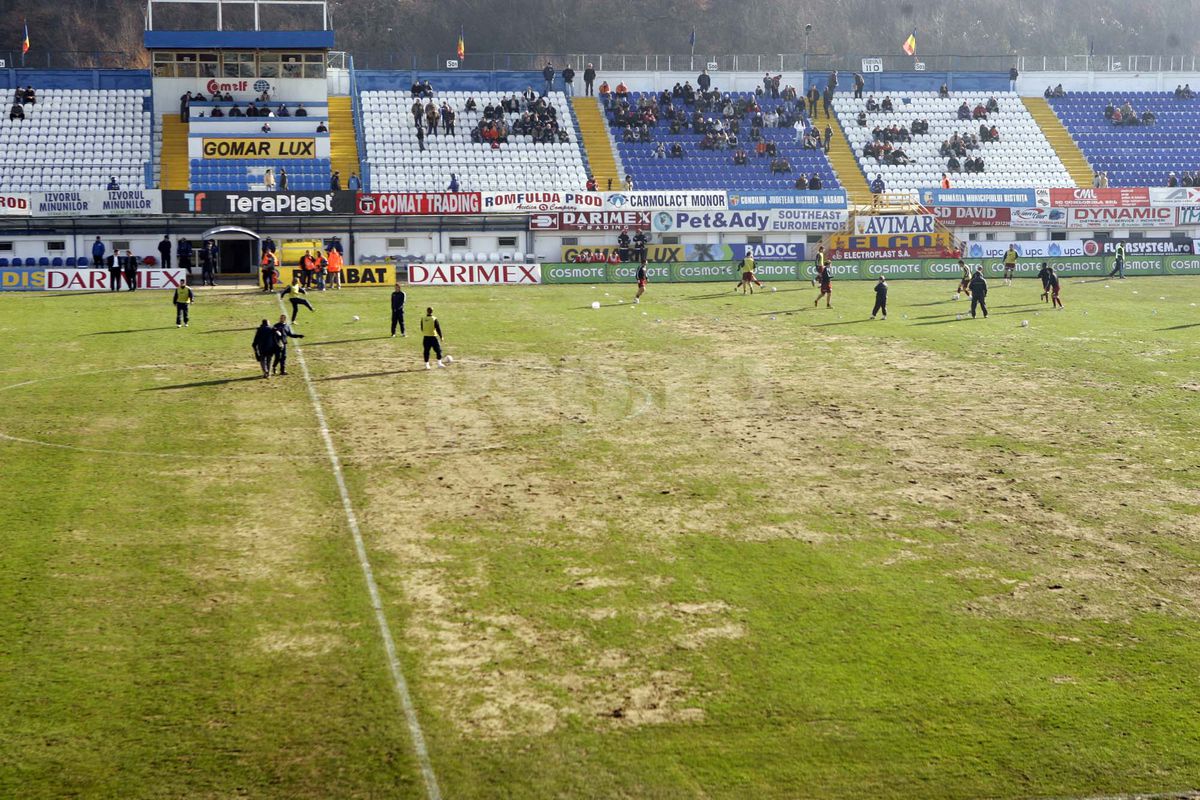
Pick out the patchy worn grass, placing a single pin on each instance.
(709, 546)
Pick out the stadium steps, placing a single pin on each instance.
(845, 165)
(176, 168)
(1064, 146)
(593, 128)
(343, 144)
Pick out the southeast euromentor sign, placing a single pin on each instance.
(508, 274)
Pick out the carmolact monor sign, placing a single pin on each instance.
(474, 274)
(683, 200)
(267, 204)
(424, 204)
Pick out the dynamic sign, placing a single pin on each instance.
(259, 147)
(420, 203)
(474, 274)
(267, 204)
(1121, 217)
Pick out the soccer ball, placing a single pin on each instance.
(595, 304)
(956, 295)
(774, 289)
(1024, 323)
(449, 359)
(356, 318)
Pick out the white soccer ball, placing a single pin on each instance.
(958, 316)
(449, 359)
(774, 289)
(956, 295)
(595, 304)
(1024, 323)
(356, 318)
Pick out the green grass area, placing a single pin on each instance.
(708, 546)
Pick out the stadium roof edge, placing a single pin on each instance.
(239, 40)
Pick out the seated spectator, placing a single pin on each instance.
(591, 183)
(266, 127)
(993, 105)
(1172, 180)
(1116, 117)
(321, 128)
(862, 119)
(979, 163)
(943, 91)
(871, 104)
(994, 134)
(980, 112)
(985, 134)
(886, 106)
(622, 91)
(471, 105)
(301, 111)
(265, 97)
(252, 110)
(676, 150)
(1148, 117)
(16, 112)
(29, 97)
(1059, 91)
(628, 182)
(282, 111)
(1188, 94)
(217, 112)
(781, 165)
(945, 181)
(964, 111)
(814, 182)
(1187, 179)
(415, 89)
(660, 151)
(113, 186)
(811, 142)
(198, 97)
(427, 88)
(1110, 110)
(952, 164)
(772, 149)
(584, 256)
(1048, 93)
(900, 157)
(802, 183)
(740, 158)
(760, 149)
(877, 185)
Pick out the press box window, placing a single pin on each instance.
(459, 241)
(6, 247)
(397, 244)
(121, 245)
(669, 240)
(56, 246)
(508, 241)
(754, 240)
(570, 241)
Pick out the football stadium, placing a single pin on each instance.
(554, 425)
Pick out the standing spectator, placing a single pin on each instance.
(548, 78)
(833, 81)
(354, 184)
(979, 290)
(283, 179)
(98, 253)
(284, 332)
(1119, 263)
(335, 181)
(334, 262)
(828, 137)
(266, 340)
(183, 249)
(185, 101)
(568, 80)
(589, 80)
(420, 137)
(859, 83)
(208, 263)
(827, 99)
(131, 270)
(704, 80)
(453, 184)
(114, 274)
(639, 247)
(164, 252)
(877, 185)
(628, 182)
(1012, 86)
(269, 179)
(945, 181)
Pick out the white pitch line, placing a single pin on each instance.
(385, 631)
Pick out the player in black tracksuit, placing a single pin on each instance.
(114, 273)
(979, 289)
(398, 298)
(1044, 274)
(266, 341)
(639, 247)
(880, 298)
(283, 332)
(623, 245)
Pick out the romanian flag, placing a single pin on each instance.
(910, 44)
(25, 41)
(462, 48)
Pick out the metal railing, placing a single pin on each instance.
(360, 139)
(74, 59)
(776, 62)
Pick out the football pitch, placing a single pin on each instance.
(710, 546)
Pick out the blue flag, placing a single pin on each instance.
(692, 39)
